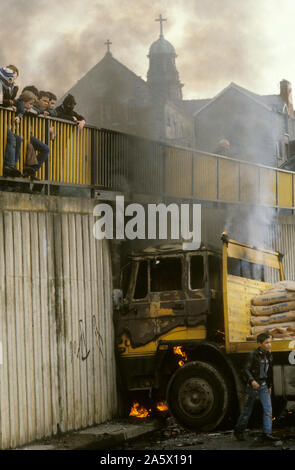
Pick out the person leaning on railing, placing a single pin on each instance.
(13, 144)
(8, 90)
(52, 103)
(39, 108)
(66, 111)
(8, 93)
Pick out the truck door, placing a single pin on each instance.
(198, 294)
(168, 306)
(137, 319)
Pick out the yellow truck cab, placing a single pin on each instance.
(182, 329)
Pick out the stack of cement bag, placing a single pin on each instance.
(273, 311)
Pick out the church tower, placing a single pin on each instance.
(162, 75)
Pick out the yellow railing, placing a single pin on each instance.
(70, 152)
(100, 158)
(217, 178)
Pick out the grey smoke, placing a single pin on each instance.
(55, 43)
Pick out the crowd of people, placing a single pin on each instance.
(33, 102)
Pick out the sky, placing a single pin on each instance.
(249, 42)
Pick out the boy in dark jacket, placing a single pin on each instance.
(13, 144)
(259, 375)
(43, 150)
(8, 90)
(52, 103)
(41, 105)
(66, 111)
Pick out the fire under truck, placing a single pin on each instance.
(182, 327)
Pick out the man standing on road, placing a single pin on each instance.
(259, 375)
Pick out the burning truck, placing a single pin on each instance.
(185, 325)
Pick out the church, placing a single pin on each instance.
(112, 96)
(236, 122)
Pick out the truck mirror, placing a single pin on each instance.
(117, 298)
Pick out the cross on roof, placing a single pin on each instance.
(161, 20)
(108, 43)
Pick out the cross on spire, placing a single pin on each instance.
(161, 20)
(108, 43)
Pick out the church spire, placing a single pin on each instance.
(161, 20)
(162, 75)
(108, 44)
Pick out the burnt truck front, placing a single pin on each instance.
(171, 298)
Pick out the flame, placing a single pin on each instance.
(139, 411)
(179, 352)
(161, 406)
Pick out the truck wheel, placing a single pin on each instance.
(197, 396)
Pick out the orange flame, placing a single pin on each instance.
(179, 352)
(161, 406)
(138, 411)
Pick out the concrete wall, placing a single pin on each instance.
(57, 367)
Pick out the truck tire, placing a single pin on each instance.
(198, 396)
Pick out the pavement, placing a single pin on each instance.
(102, 436)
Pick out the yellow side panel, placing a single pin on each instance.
(268, 187)
(177, 334)
(205, 177)
(178, 172)
(285, 189)
(253, 256)
(228, 180)
(249, 183)
(240, 291)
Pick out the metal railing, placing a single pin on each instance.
(70, 152)
(104, 159)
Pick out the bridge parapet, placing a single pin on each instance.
(104, 159)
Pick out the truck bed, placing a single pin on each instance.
(239, 293)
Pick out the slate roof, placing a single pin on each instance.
(271, 102)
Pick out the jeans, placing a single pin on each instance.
(250, 398)
(42, 149)
(13, 146)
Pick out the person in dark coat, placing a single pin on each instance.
(13, 143)
(66, 111)
(259, 375)
(52, 103)
(42, 149)
(8, 90)
(41, 105)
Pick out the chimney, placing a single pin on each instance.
(286, 95)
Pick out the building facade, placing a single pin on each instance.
(236, 122)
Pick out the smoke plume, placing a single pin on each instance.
(55, 43)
